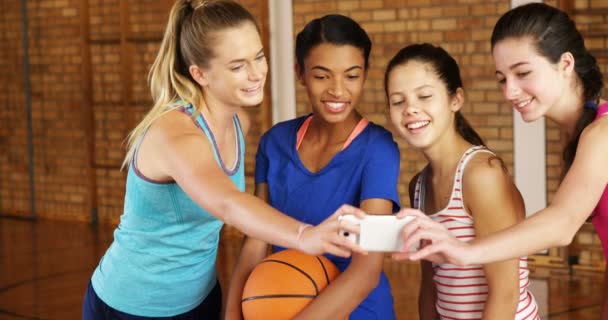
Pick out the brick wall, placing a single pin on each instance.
(78, 135)
(462, 28)
(108, 46)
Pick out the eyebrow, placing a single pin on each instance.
(243, 60)
(327, 70)
(415, 89)
(424, 85)
(513, 66)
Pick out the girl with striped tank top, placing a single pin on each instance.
(544, 70)
(186, 178)
(465, 187)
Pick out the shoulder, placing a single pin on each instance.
(483, 170)
(593, 143)
(597, 131)
(376, 130)
(279, 134)
(380, 139)
(486, 177)
(173, 124)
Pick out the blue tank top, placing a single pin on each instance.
(162, 260)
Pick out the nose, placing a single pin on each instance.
(411, 109)
(337, 88)
(510, 90)
(257, 71)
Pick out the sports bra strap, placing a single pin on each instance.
(361, 125)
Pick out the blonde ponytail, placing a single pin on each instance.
(187, 41)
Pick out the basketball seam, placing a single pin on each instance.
(271, 296)
(324, 270)
(299, 270)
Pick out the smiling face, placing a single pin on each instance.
(529, 81)
(333, 76)
(237, 73)
(421, 108)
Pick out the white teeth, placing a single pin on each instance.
(335, 105)
(523, 103)
(252, 89)
(418, 124)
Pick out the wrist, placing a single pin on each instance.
(301, 229)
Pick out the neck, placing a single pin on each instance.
(567, 111)
(330, 133)
(443, 157)
(217, 114)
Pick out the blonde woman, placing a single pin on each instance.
(186, 177)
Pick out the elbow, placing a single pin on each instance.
(566, 239)
(569, 226)
(224, 209)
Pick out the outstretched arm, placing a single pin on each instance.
(179, 151)
(556, 225)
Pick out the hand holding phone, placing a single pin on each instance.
(380, 233)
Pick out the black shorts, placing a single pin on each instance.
(94, 308)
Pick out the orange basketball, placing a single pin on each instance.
(284, 283)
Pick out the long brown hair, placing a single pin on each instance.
(553, 33)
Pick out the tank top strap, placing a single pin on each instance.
(419, 190)
(239, 137)
(468, 155)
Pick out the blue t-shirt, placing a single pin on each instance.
(368, 168)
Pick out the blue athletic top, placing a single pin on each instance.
(162, 260)
(368, 168)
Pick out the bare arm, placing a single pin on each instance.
(178, 150)
(574, 201)
(353, 285)
(495, 204)
(556, 225)
(252, 252)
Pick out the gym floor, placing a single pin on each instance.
(46, 265)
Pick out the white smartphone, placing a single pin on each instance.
(378, 233)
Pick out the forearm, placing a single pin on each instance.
(252, 252)
(543, 230)
(347, 291)
(258, 220)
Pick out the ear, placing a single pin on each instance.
(566, 63)
(299, 74)
(198, 75)
(457, 100)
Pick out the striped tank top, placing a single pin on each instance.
(463, 291)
